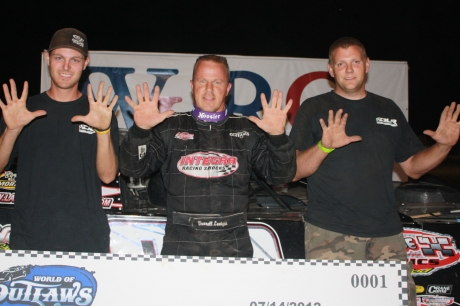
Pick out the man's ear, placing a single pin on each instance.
(331, 71)
(86, 62)
(368, 65)
(47, 57)
(229, 86)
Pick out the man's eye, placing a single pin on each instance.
(76, 60)
(217, 82)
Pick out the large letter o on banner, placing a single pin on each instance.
(295, 91)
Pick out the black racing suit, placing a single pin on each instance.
(206, 168)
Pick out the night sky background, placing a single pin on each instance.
(426, 36)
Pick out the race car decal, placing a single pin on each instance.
(8, 180)
(419, 289)
(439, 289)
(208, 165)
(5, 233)
(429, 300)
(47, 285)
(7, 187)
(429, 251)
(111, 194)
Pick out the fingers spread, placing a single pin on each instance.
(288, 106)
(89, 90)
(140, 97)
(114, 101)
(129, 101)
(100, 91)
(254, 119)
(146, 92)
(25, 90)
(263, 101)
(156, 93)
(14, 94)
(429, 133)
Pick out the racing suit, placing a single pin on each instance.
(206, 168)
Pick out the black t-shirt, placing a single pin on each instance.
(58, 195)
(352, 191)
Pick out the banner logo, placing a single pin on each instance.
(47, 285)
(208, 165)
(429, 251)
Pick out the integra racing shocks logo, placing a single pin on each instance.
(429, 251)
(208, 165)
(47, 285)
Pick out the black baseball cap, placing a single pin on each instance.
(69, 38)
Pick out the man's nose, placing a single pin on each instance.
(65, 64)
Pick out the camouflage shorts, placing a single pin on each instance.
(324, 244)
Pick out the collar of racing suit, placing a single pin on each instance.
(209, 116)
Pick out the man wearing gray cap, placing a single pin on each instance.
(66, 144)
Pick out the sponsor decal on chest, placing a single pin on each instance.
(208, 164)
(184, 136)
(239, 134)
(83, 128)
(386, 121)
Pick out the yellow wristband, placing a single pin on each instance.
(102, 131)
(325, 150)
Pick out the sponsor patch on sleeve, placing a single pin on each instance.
(141, 150)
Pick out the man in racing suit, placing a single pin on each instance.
(206, 158)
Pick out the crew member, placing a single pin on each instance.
(66, 144)
(352, 211)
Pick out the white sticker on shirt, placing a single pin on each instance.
(141, 150)
(83, 128)
(386, 121)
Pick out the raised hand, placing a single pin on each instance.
(274, 118)
(448, 130)
(146, 113)
(166, 103)
(15, 112)
(100, 110)
(334, 132)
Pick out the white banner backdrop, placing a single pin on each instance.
(298, 78)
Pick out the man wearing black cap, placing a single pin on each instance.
(65, 143)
